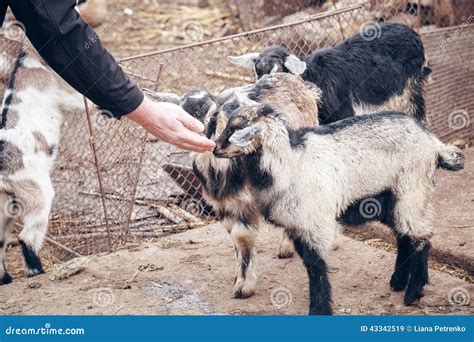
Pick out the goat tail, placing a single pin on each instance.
(450, 158)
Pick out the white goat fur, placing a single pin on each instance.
(32, 135)
(330, 168)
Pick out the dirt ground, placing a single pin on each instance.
(192, 272)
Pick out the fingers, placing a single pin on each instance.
(173, 125)
(190, 122)
(192, 141)
(192, 148)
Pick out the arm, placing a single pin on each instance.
(73, 50)
(3, 10)
(64, 40)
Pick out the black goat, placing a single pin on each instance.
(359, 75)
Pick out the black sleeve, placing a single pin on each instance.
(3, 10)
(74, 51)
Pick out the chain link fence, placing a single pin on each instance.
(95, 178)
(449, 100)
(251, 14)
(114, 183)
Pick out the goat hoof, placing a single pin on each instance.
(243, 289)
(412, 296)
(32, 272)
(243, 294)
(6, 279)
(285, 254)
(398, 282)
(286, 250)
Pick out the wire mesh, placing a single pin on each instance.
(257, 14)
(449, 100)
(95, 180)
(252, 14)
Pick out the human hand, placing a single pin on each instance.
(172, 124)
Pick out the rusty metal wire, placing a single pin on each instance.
(114, 183)
(95, 178)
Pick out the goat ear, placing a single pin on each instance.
(295, 65)
(245, 136)
(244, 100)
(162, 97)
(212, 108)
(274, 69)
(247, 60)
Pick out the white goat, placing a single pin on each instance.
(309, 179)
(29, 136)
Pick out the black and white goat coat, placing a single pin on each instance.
(358, 76)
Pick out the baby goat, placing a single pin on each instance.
(223, 181)
(29, 136)
(359, 75)
(306, 180)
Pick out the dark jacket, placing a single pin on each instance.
(3, 9)
(72, 49)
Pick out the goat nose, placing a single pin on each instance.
(217, 152)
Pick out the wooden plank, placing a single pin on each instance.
(453, 12)
(196, 3)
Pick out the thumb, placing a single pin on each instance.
(189, 122)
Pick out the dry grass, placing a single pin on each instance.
(154, 26)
